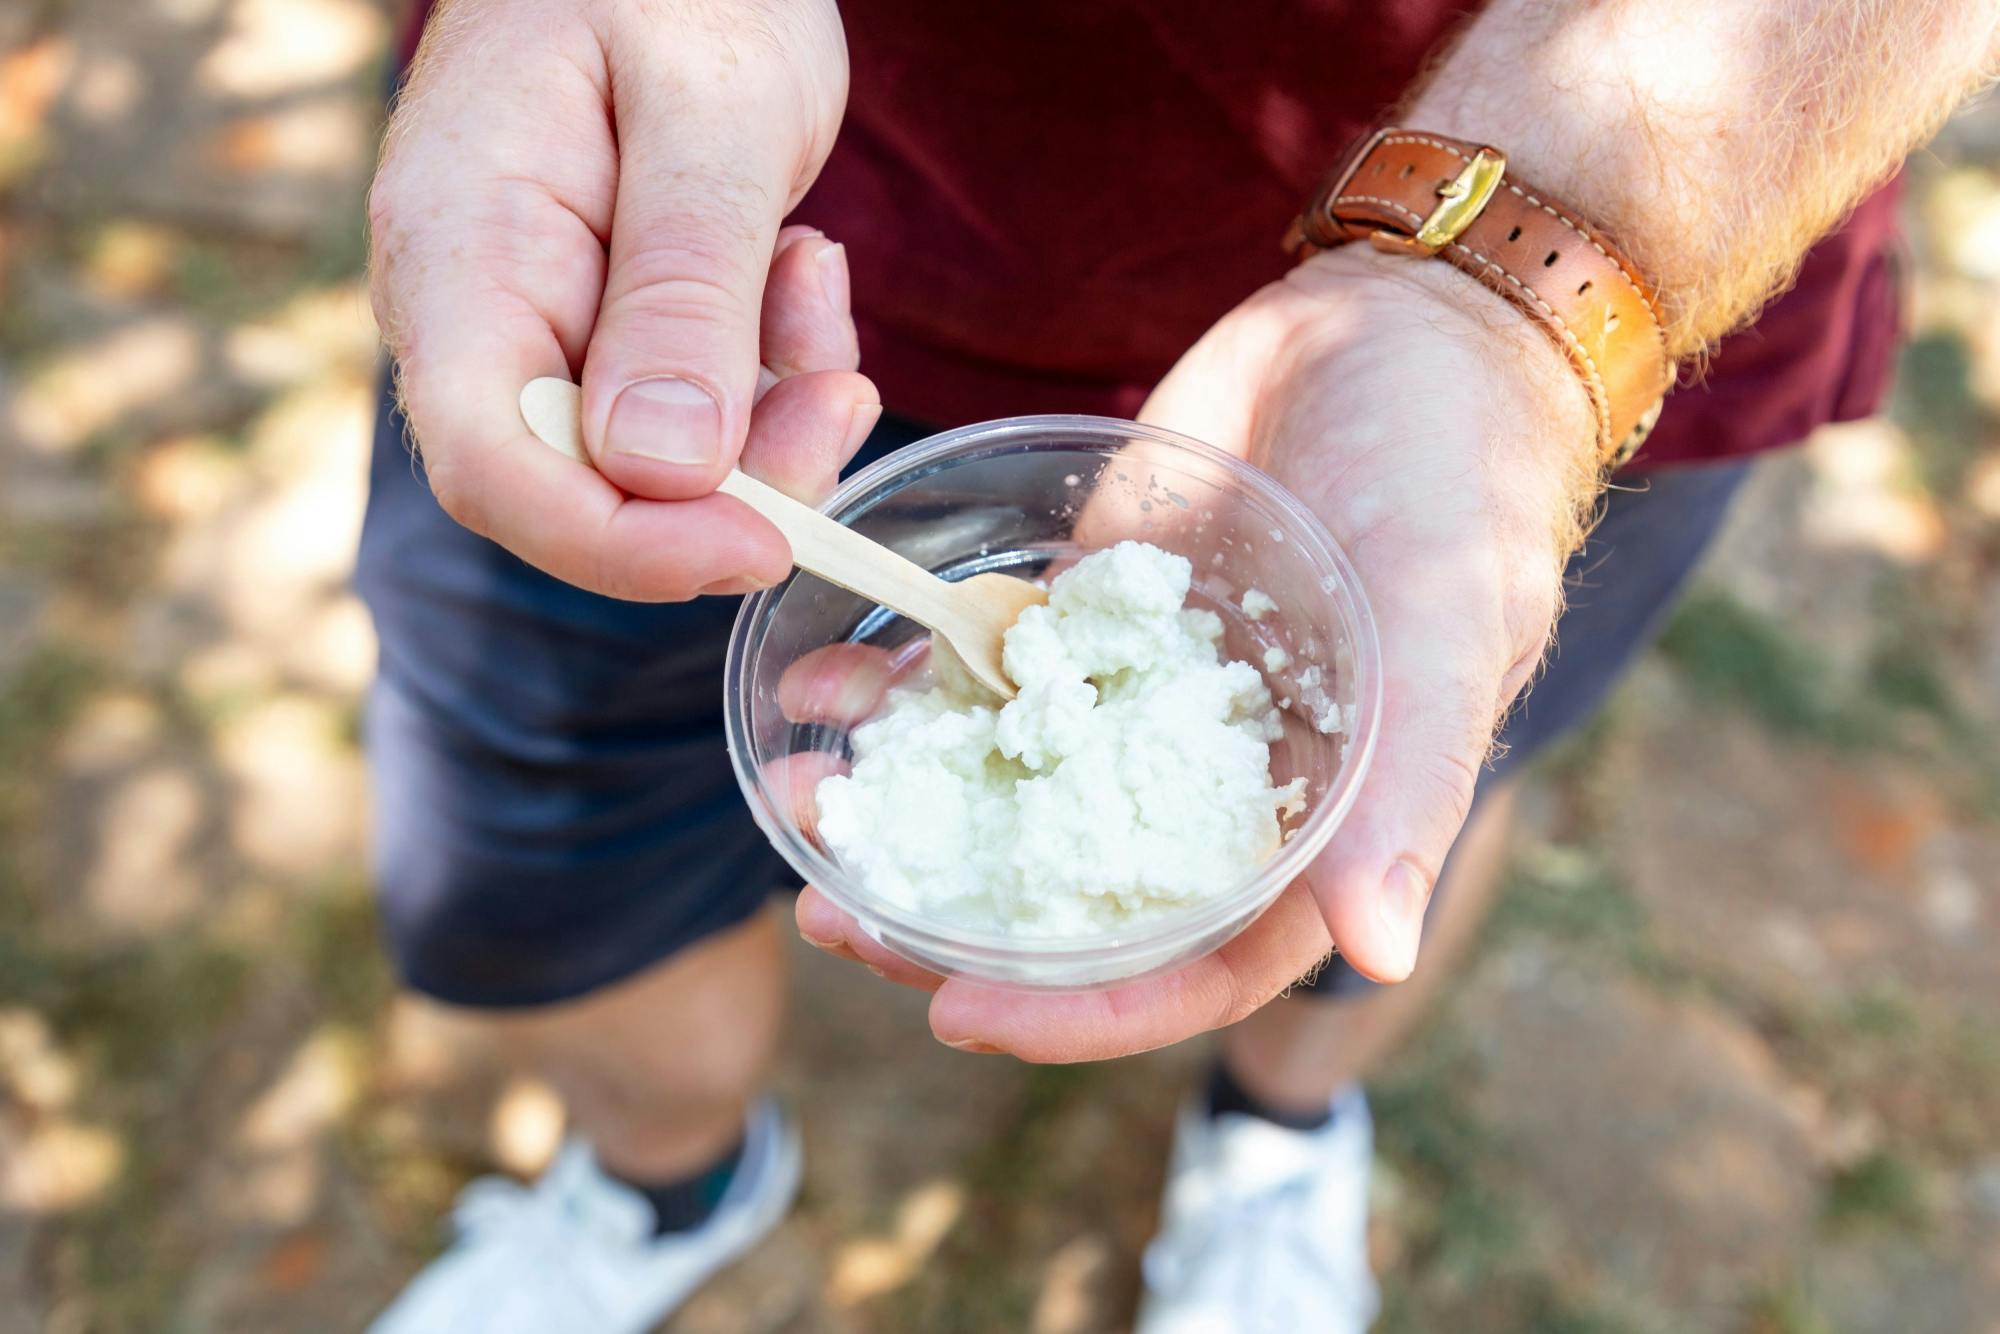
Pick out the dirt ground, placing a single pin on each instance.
(1728, 1058)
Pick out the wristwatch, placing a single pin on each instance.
(1425, 195)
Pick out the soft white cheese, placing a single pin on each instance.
(1131, 775)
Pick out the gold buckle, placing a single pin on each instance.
(1460, 200)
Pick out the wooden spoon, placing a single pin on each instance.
(970, 615)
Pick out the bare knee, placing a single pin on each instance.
(676, 1051)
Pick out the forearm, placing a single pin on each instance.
(1714, 140)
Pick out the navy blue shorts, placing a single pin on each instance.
(553, 806)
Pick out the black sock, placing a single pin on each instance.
(1226, 1095)
(683, 1205)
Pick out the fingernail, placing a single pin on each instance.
(1405, 892)
(833, 278)
(668, 419)
(877, 971)
(828, 945)
(735, 587)
(799, 237)
(860, 425)
(975, 1047)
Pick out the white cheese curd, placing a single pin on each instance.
(1130, 777)
(1257, 604)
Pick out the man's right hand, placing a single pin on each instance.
(595, 189)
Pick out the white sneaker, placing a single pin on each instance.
(1264, 1228)
(576, 1250)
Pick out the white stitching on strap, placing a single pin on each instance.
(1389, 204)
(1426, 139)
(1566, 221)
(1600, 397)
(1638, 288)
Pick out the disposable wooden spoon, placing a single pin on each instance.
(970, 615)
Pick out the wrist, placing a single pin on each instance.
(1538, 416)
(1494, 388)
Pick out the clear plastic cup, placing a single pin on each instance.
(1020, 496)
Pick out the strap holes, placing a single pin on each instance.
(1514, 235)
(1550, 262)
(1379, 166)
(1585, 288)
(1404, 174)
(1611, 321)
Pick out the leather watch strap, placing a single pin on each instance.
(1425, 194)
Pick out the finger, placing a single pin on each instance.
(792, 782)
(707, 165)
(825, 927)
(807, 324)
(806, 427)
(1211, 992)
(471, 322)
(1440, 704)
(461, 392)
(842, 684)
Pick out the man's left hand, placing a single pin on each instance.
(1449, 448)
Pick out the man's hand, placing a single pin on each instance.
(1448, 447)
(1447, 444)
(595, 190)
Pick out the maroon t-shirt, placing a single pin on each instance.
(1044, 202)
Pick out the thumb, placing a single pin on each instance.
(1446, 677)
(703, 182)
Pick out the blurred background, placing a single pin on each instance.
(1728, 1058)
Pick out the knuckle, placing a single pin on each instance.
(609, 576)
(670, 307)
(1449, 780)
(1460, 716)
(671, 281)
(699, 223)
(616, 579)
(613, 571)
(1241, 1002)
(454, 492)
(1528, 611)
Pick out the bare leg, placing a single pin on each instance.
(1293, 1055)
(659, 1070)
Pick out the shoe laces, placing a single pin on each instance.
(551, 1215)
(1263, 1233)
